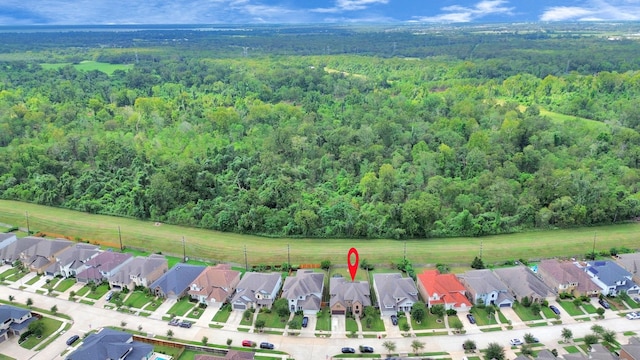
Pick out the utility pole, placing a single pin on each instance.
(593, 251)
(120, 237)
(289, 255)
(246, 264)
(405, 252)
(184, 251)
(480, 249)
(26, 213)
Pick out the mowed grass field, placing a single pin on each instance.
(229, 247)
(91, 65)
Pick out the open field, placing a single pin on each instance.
(229, 247)
(91, 65)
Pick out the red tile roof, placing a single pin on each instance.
(447, 286)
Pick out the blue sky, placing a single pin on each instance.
(81, 12)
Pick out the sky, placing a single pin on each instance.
(125, 12)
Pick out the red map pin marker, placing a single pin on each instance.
(353, 268)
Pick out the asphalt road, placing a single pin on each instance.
(88, 317)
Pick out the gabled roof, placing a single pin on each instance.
(545, 354)
(30, 248)
(523, 282)
(305, 283)
(254, 282)
(11, 312)
(108, 260)
(599, 352)
(633, 348)
(608, 272)
(631, 262)
(447, 286)
(343, 291)
(12, 251)
(110, 344)
(393, 289)
(91, 274)
(483, 281)
(585, 284)
(74, 257)
(6, 239)
(231, 355)
(216, 282)
(177, 279)
(140, 267)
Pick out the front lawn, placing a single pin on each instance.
(482, 317)
(181, 307)
(223, 314)
(64, 285)
(50, 325)
(548, 313)
(83, 291)
(429, 322)
(272, 320)
(33, 280)
(616, 303)
(195, 313)
(138, 299)
(351, 325)
(525, 313)
(323, 322)
(376, 323)
(590, 309)
(571, 308)
(101, 290)
(571, 349)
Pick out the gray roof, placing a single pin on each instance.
(305, 283)
(599, 352)
(609, 272)
(30, 248)
(393, 288)
(75, 256)
(483, 281)
(254, 282)
(633, 347)
(6, 239)
(139, 266)
(110, 344)
(11, 312)
(342, 291)
(631, 262)
(523, 282)
(177, 279)
(545, 354)
(108, 260)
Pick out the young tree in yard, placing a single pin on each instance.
(600, 311)
(591, 339)
(169, 333)
(491, 311)
(438, 310)
(405, 326)
(418, 312)
(295, 324)
(456, 324)
(597, 329)
(535, 308)
(29, 302)
(567, 334)
(204, 341)
(260, 324)
(469, 345)
(11, 298)
(390, 346)
(529, 338)
(417, 345)
(477, 263)
(325, 265)
(494, 351)
(229, 342)
(123, 323)
(37, 327)
(281, 306)
(526, 349)
(608, 336)
(54, 309)
(577, 302)
(247, 314)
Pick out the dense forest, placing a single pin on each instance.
(343, 132)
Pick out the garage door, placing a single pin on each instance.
(505, 305)
(337, 312)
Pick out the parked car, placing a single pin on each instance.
(305, 321)
(72, 339)
(248, 343)
(554, 309)
(515, 342)
(185, 324)
(109, 295)
(633, 316)
(266, 345)
(394, 320)
(604, 303)
(348, 350)
(366, 349)
(471, 318)
(174, 322)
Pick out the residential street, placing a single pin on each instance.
(88, 317)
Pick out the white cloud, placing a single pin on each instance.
(349, 5)
(595, 10)
(458, 13)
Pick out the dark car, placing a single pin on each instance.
(72, 339)
(174, 322)
(348, 350)
(305, 322)
(554, 309)
(394, 319)
(471, 318)
(604, 303)
(366, 349)
(266, 345)
(185, 324)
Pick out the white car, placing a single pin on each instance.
(515, 342)
(633, 316)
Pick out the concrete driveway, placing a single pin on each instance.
(310, 330)
(393, 331)
(338, 326)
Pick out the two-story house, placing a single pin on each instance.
(140, 271)
(215, 285)
(103, 266)
(442, 289)
(256, 290)
(566, 277)
(348, 296)
(483, 286)
(72, 260)
(611, 278)
(304, 291)
(13, 321)
(394, 293)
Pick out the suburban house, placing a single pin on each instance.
(34, 252)
(72, 260)
(348, 296)
(630, 351)
(174, 283)
(230, 355)
(304, 291)
(631, 263)
(611, 278)
(13, 321)
(394, 293)
(6, 239)
(215, 285)
(103, 266)
(256, 290)
(523, 282)
(140, 271)
(111, 344)
(442, 289)
(484, 286)
(566, 277)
